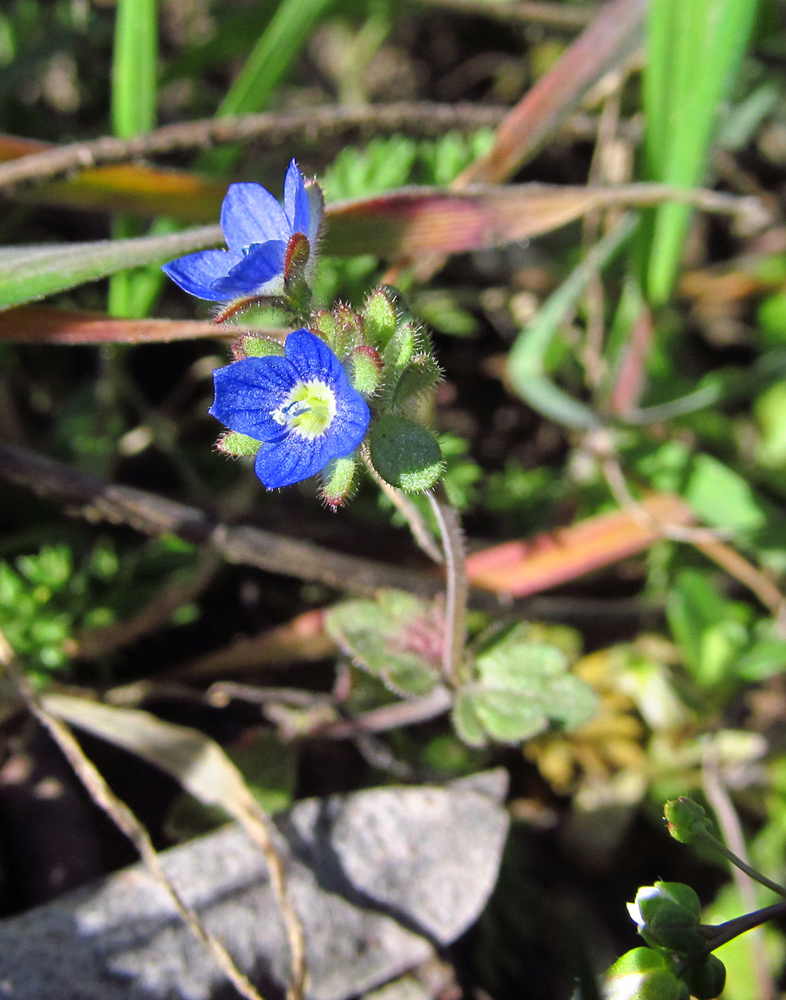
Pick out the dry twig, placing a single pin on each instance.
(123, 818)
(276, 128)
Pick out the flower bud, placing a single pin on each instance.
(256, 345)
(237, 445)
(338, 478)
(421, 374)
(380, 317)
(668, 915)
(366, 370)
(686, 819)
(642, 974)
(706, 979)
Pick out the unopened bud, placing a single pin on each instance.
(686, 820)
(668, 915)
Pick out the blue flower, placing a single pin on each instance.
(301, 407)
(261, 236)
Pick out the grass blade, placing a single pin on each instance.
(275, 51)
(693, 52)
(29, 273)
(526, 364)
(134, 105)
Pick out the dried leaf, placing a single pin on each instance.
(527, 567)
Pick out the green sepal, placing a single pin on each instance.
(349, 331)
(338, 479)
(380, 318)
(421, 374)
(405, 454)
(255, 345)
(296, 260)
(397, 637)
(366, 370)
(706, 979)
(399, 351)
(237, 445)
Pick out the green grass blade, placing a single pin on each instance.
(277, 48)
(134, 106)
(526, 364)
(275, 51)
(30, 273)
(694, 48)
(135, 68)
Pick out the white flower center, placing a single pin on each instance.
(308, 410)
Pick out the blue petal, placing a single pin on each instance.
(312, 358)
(350, 422)
(263, 262)
(250, 214)
(196, 273)
(248, 391)
(291, 460)
(296, 203)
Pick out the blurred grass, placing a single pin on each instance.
(694, 50)
(273, 55)
(134, 109)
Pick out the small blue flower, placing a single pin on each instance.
(258, 232)
(301, 408)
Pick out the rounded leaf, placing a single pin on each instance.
(405, 454)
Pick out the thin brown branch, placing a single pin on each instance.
(400, 713)
(155, 515)
(95, 642)
(422, 119)
(122, 817)
(706, 540)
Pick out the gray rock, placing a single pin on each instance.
(378, 878)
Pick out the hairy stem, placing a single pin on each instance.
(457, 586)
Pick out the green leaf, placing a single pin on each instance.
(32, 272)
(711, 630)
(134, 106)
(405, 454)
(466, 720)
(722, 498)
(526, 364)
(521, 683)
(397, 637)
(273, 54)
(507, 715)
